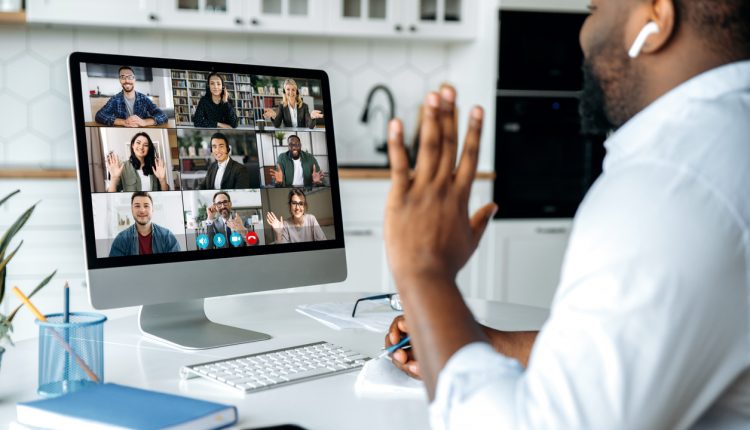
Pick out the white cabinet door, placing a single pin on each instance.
(529, 255)
(413, 19)
(136, 13)
(286, 16)
(366, 18)
(439, 19)
(211, 15)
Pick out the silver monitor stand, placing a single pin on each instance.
(185, 325)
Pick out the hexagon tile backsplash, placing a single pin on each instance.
(35, 121)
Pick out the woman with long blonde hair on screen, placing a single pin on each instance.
(292, 112)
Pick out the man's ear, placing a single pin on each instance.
(651, 15)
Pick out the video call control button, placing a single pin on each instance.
(235, 239)
(202, 241)
(220, 240)
(251, 238)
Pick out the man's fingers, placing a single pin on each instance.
(397, 155)
(467, 167)
(429, 141)
(480, 219)
(449, 133)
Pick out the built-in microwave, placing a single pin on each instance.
(543, 164)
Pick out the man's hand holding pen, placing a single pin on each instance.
(403, 358)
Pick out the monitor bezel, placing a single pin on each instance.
(79, 129)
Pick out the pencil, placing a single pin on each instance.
(59, 338)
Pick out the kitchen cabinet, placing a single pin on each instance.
(444, 20)
(287, 16)
(528, 255)
(103, 13)
(421, 19)
(217, 15)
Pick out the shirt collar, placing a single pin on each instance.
(223, 163)
(674, 105)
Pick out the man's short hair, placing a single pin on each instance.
(219, 135)
(724, 24)
(140, 194)
(221, 192)
(125, 68)
(288, 139)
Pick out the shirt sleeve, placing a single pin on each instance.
(200, 117)
(154, 112)
(106, 115)
(231, 114)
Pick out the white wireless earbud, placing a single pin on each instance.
(648, 30)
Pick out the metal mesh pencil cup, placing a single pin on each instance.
(70, 354)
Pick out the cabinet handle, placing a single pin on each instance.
(398, 27)
(551, 230)
(413, 28)
(361, 233)
(238, 21)
(254, 21)
(153, 17)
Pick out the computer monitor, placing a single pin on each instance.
(201, 179)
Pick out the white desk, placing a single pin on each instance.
(327, 403)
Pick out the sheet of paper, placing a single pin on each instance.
(380, 378)
(374, 316)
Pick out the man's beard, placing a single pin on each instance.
(610, 95)
(295, 155)
(594, 120)
(147, 222)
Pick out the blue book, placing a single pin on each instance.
(113, 406)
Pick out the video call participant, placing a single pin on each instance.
(303, 227)
(143, 237)
(129, 108)
(225, 173)
(220, 220)
(296, 168)
(292, 111)
(214, 108)
(142, 172)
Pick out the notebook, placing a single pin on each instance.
(380, 378)
(113, 406)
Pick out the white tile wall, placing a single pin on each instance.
(35, 125)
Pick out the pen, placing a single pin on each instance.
(403, 344)
(66, 314)
(59, 338)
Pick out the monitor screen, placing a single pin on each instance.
(187, 167)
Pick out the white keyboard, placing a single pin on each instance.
(256, 372)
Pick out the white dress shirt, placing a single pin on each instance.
(220, 173)
(293, 114)
(650, 325)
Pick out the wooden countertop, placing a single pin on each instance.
(30, 173)
(12, 17)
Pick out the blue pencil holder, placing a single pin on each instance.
(71, 355)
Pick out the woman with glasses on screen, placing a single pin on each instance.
(302, 227)
(144, 171)
(292, 111)
(214, 109)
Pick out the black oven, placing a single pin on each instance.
(544, 166)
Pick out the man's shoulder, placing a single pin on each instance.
(161, 230)
(125, 232)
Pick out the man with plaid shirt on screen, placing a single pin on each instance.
(129, 108)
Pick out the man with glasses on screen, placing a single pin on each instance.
(297, 168)
(129, 108)
(223, 227)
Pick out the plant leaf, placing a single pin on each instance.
(7, 237)
(2, 271)
(9, 196)
(44, 282)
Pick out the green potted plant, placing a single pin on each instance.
(6, 321)
(280, 137)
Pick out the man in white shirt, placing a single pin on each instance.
(650, 326)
